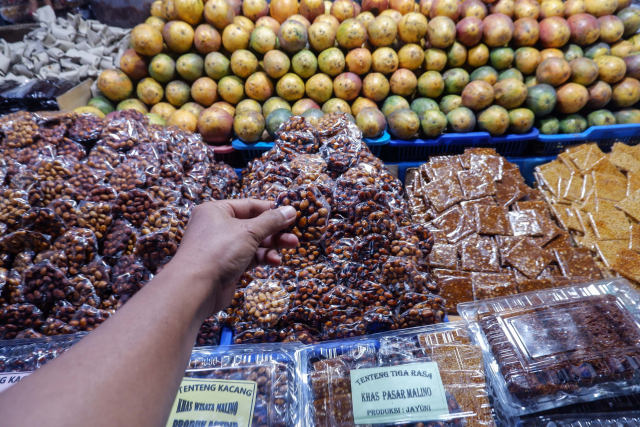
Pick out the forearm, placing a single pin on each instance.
(126, 372)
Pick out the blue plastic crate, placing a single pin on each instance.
(455, 143)
(604, 136)
(251, 151)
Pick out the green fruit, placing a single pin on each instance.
(132, 104)
(273, 104)
(541, 99)
(155, 119)
(403, 123)
(521, 120)
(601, 118)
(630, 18)
(572, 51)
(573, 123)
(486, 73)
(249, 126)
(217, 66)
(102, 104)
(431, 84)
(494, 120)
(511, 73)
(393, 103)
(190, 66)
(304, 64)
(420, 105)
(597, 49)
(501, 57)
(450, 103)
(627, 116)
(371, 122)
(461, 120)
(455, 80)
(276, 118)
(312, 115)
(548, 125)
(162, 68)
(433, 123)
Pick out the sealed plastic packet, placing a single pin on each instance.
(428, 376)
(554, 347)
(253, 386)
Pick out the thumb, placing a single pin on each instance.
(272, 221)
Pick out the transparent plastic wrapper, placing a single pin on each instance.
(416, 309)
(127, 176)
(44, 192)
(87, 318)
(135, 206)
(85, 178)
(95, 216)
(165, 196)
(263, 304)
(343, 323)
(312, 164)
(53, 327)
(550, 348)
(18, 317)
(209, 333)
(368, 218)
(53, 169)
(104, 158)
(13, 205)
(120, 239)
(428, 376)
(170, 172)
(54, 125)
(44, 284)
(82, 292)
(24, 240)
(24, 180)
(71, 149)
(19, 129)
(341, 152)
(164, 219)
(123, 134)
(26, 355)
(128, 276)
(154, 247)
(327, 273)
(80, 245)
(295, 137)
(298, 332)
(45, 221)
(304, 255)
(273, 370)
(29, 334)
(86, 128)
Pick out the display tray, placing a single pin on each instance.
(551, 348)
(455, 143)
(624, 419)
(604, 136)
(382, 369)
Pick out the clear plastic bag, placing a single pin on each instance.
(44, 192)
(18, 317)
(135, 206)
(80, 245)
(313, 212)
(86, 128)
(552, 348)
(154, 247)
(13, 205)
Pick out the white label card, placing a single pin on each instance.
(7, 379)
(395, 394)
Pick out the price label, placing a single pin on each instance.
(8, 379)
(213, 403)
(398, 394)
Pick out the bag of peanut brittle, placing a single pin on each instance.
(427, 376)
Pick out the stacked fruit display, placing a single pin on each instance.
(496, 66)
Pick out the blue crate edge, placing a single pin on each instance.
(595, 132)
(244, 146)
(455, 138)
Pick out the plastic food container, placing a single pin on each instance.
(455, 143)
(432, 376)
(605, 136)
(30, 354)
(551, 348)
(628, 419)
(271, 369)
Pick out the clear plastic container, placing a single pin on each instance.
(551, 348)
(274, 368)
(382, 377)
(624, 419)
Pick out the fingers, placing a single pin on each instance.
(271, 222)
(280, 241)
(249, 208)
(265, 256)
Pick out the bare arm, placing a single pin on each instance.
(128, 371)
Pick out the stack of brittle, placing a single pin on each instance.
(494, 235)
(596, 198)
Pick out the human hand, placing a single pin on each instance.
(228, 237)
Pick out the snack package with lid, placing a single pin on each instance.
(270, 373)
(550, 348)
(426, 376)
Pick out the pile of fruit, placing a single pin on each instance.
(440, 65)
